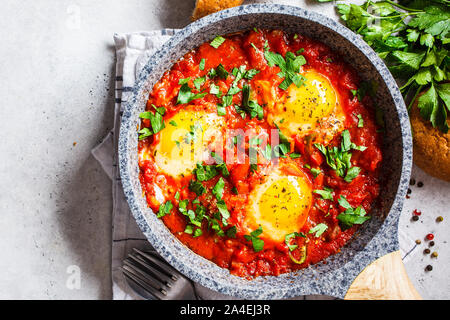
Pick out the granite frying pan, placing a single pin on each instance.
(375, 239)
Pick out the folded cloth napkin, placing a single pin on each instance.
(132, 52)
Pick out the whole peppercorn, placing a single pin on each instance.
(431, 243)
(434, 254)
(430, 236)
(415, 218)
(426, 251)
(429, 268)
(439, 219)
(420, 184)
(418, 241)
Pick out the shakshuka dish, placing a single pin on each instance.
(260, 151)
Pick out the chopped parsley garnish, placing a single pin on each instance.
(326, 193)
(251, 106)
(221, 110)
(284, 147)
(318, 229)
(201, 66)
(173, 123)
(288, 237)
(360, 121)
(223, 210)
(351, 216)
(205, 173)
(221, 72)
(290, 67)
(218, 189)
(217, 42)
(198, 82)
(338, 159)
(185, 95)
(156, 121)
(197, 233)
(196, 187)
(231, 232)
(315, 172)
(295, 155)
(164, 209)
(258, 244)
(213, 89)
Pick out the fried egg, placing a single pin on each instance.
(312, 107)
(185, 141)
(280, 204)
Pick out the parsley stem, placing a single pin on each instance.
(397, 16)
(414, 98)
(401, 7)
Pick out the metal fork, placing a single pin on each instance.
(153, 278)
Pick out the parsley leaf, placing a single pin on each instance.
(218, 189)
(185, 95)
(196, 187)
(288, 237)
(338, 159)
(351, 216)
(231, 232)
(217, 42)
(326, 193)
(413, 49)
(289, 66)
(319, 229)
(164, 209)
(258, 244)
(201, 66)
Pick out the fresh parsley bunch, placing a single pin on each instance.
(412, 37)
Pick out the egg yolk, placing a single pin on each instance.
(280, 205)
(185, 139)
(312, 105)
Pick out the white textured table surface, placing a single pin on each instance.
(56, 84)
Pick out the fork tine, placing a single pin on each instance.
(144, 276)
(157, 263)
(150, 270)
(137, 280)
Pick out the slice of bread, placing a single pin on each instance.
(431, 150)
(205, 7)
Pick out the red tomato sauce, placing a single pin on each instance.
(237, 253)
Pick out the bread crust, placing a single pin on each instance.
(205, 7)
(431, 149)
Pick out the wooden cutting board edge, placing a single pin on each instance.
(383, 279)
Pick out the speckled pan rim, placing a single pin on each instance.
(333, 283)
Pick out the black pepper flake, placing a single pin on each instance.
(420, 184)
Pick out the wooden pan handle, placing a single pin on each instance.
(383, 279)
